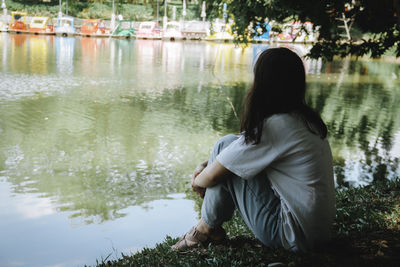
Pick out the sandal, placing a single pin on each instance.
(194, 237)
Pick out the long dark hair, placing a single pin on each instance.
(279, 87)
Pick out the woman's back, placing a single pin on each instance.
(302, 176)
(298, 164)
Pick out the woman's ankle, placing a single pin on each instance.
(214, 232)
(204, 228)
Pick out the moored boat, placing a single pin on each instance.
(173, 31)
(195, 30)
(41, 25)
(149, 30)
(94, 28)
(297, 32)
(65, 27)
(3, 27)
(18, 22)
(125, 29)
(262, 33)
(220, 32)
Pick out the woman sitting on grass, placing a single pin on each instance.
(277, 173)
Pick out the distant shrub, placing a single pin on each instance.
(192, 12)
(46, 9)
(86, 10)
(95, 11)
(136, 12)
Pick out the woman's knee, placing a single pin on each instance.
(227, 139)
(222, 143)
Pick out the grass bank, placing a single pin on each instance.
(367, 228)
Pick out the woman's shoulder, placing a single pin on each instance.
(284, 124)
(282, 119)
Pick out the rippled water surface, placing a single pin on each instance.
(98, 137)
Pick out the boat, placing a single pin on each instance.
(65, 27)
(124, 29)
(173, 31)
(292, 32)
(195, 30)
(94, 28)
(261, 34)
(149, 30)
(18, 22)
(3, 27)
(220, 31)
(40, 25)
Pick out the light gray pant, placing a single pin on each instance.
(254, 199)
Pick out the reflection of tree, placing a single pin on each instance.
(357, 101)
(127, 134)
(96, 158)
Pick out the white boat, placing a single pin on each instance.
(65, 27)
(149, 30)
(3, 27)
(173, 31)
(195, 30)
(220, 32)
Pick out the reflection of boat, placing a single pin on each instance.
(18, 22)
(173, 31)
(65, 27)
(18, 40)
(220, 32)
(40, 25)
(94, 28)
(262, 34)
(124, 29)
(172, 60)
(297, 32)
(38, 54)
(195, 30)
(65, 55)
(91, 48)
(149, 30)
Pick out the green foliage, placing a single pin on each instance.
(128, 11)
(96, 11)
(192, 12)
(102, 9)
(379, 20)
(136, 12)
(38, 9)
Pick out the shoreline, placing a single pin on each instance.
(367, 233)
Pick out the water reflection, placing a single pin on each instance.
(94, 132)
(65, 54)
(38, 53)
(19, 53)
(359, 104)
(117, 123)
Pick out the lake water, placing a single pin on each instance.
(98, 137)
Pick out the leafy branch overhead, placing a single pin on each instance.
(375, 24)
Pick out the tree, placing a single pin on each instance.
(378, 22)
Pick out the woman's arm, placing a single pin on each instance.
(213, 174)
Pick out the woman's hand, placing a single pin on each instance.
(199, 190)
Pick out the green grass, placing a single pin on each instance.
(367, 228)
